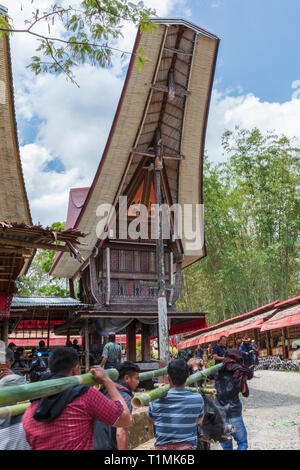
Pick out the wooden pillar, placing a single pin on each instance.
(269, 345)
(283, 336)
(5, 330)
(71, 288)
(107, 295)
(289, 342)
(131, 342)
(146, 350)
(87, 345)
(48, 329)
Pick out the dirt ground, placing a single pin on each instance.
(271, 412)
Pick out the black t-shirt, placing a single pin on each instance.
(219, 351)
(227, 394)
(199, 353)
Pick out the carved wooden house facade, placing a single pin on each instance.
(154, 154)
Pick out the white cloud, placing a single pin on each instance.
(248, 111)
(73, 124)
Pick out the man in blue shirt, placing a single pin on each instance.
(175, 416)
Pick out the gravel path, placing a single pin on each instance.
(271, 412)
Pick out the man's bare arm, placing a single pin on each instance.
(122, 438)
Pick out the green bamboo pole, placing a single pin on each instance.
(14, 410)
(45, 388)
(156, 373)
(202, 390)
(144, 398)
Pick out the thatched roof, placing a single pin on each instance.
(139, 112)
(18, 241)
(13, 198)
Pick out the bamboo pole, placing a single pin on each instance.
(144, 398)
(45, 388)
(156, 373)
(14, 410)
(201, 390)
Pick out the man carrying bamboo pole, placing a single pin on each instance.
(106, 437)
(66, 421)
(175, 416)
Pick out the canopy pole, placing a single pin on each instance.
(87, 346)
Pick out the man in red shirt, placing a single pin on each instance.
(66, 421)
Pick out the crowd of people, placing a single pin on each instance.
(86, 418)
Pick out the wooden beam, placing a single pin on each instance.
(9, 241)
(177, 51)
(152, 155)
(16, 251)
(165, 89)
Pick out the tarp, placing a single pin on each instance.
(38, 324)
(188, 326)
(282, 322)
(249, 326)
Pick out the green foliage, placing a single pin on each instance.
(252, 222)
(90, 31)
(4, 23)
(37, 282)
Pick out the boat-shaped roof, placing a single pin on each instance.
(144, 105)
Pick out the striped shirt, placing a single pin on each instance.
(175, 416)
(12, 435)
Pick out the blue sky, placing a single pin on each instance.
(259, 44)
(63, 129)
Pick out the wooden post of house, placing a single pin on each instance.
(71, 288)
(283, 336)
(146, 351)
(269, 345)
(288, 342)
(164, 353)
(131, 341)
(87, 345)
(5, 330)
(48, 329)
